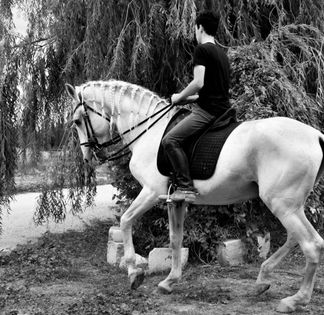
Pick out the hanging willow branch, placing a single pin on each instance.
(70, 184)
(8, 101)
(281, 76)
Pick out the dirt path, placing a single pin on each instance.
(67, 273)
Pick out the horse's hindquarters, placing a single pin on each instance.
(275, 156)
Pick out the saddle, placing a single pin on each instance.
(202, 150)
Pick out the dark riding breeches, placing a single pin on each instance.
(173, 142)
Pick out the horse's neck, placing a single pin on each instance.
(127, 105)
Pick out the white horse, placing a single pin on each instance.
(278, 159)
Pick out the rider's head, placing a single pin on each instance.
(209, 21)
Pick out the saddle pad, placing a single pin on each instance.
(202, 152)
(207, 150)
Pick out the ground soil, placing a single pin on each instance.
(64, 274)
(68, 274)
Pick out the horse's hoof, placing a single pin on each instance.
(136, 279)
(285, 307)
(163, 289)
(259, 289)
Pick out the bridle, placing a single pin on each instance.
(97, 147)
(92, 140)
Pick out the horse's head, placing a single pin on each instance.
(92, 128)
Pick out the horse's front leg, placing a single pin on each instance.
(144, 201)
(176, 215)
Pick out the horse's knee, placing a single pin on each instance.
(124, 223)
(169, 142)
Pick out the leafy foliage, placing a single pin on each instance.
(275, 47)
(8, 116)
(68, 172)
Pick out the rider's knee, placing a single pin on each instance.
(165, 142)
(168, 142)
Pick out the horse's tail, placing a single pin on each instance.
(321, 168)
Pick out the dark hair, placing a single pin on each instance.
(209, 21)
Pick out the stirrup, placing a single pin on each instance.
(180, 195)
(167, 198)
(189, 196)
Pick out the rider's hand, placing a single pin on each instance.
(175, 98)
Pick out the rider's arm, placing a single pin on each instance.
(192, 88)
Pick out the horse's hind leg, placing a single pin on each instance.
(312, 246)
(176, 220)
(262, 283)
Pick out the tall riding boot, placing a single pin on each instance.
(179, 161)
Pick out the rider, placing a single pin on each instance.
(211, 82)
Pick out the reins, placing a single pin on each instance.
(115, 156)
(97, 147)
(118, 138)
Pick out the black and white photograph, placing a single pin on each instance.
(161, 157)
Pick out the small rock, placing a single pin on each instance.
(230, 253)
(160, 259)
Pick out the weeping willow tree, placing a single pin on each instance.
(8, 97)
(275, 48)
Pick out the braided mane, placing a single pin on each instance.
(141, 102)
(116, 90)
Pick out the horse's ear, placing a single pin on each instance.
(71, 91)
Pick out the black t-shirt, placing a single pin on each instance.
(214, 95)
